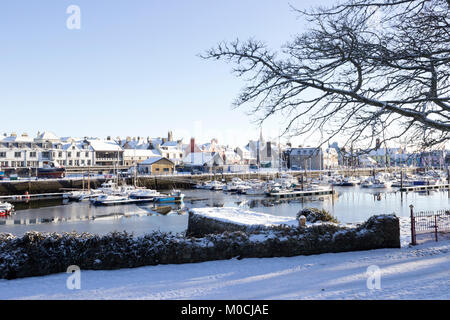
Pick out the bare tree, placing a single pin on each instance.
(366, 69)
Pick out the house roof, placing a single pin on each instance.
(170, 144)
(23, 139)
(200, 158)
(153, 160)
(47, 135)
(102, 145)
(141, 153)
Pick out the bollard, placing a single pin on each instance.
(302, 221)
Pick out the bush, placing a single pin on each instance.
(314, 215)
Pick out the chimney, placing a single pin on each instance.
(192, 145)
(170, 136)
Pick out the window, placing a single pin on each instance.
(70, 162)
(46, 155)
(60, 154)
(2, 154)
(78, 154)
(166, 169)
(32, 154)
(69, 154)
(17, 154)
(86, 154)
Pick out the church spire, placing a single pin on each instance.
(261, 139)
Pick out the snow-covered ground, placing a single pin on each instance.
(244, 217)
(421, 272)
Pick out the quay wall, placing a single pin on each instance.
(20, 187)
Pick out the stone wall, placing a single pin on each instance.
(37, 254)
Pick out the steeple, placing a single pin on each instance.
(261, 139)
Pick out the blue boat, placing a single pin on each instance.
(175, 196)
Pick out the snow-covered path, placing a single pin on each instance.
(422, 272)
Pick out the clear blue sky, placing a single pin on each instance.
(132, 69)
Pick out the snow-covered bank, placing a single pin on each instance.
(420, 272)
(244, 217)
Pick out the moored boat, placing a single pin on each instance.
(6, 209)
(174, 196)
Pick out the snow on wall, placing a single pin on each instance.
(36, 254)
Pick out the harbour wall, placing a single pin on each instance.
(21, 187)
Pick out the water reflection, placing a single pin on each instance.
(350, 204)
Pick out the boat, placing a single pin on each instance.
(367, 183)
(143, 194)
(174, 196)
(110, 199)
(243, 189)
(51, 170)
(349, 182)
(215, 185)
(6, 209)
(379, 184)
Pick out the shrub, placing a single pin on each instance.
(314, 215)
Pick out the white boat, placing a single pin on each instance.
(242, 189)
(215, 185)
(6, 209)
(109, 199)
(366, 184)
(379, 184)
(144, 194)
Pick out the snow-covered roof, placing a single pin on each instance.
(151, 161)
(141, 153)
(17, 139)
(170, 144)
(200, 158)
(47, 136)
(104, 145)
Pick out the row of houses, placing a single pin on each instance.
(23, 151)
(26, 152)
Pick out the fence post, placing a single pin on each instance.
(413, 226)
(435, 227)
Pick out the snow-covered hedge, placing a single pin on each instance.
(36, 254)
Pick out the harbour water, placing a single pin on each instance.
(350, 205)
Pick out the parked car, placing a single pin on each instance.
(196, 171)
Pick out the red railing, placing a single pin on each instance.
(429, 222)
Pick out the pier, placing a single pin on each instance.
(426, 187)
(31, 197)
(299, 194)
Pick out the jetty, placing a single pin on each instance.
(32, 197)
(425, 187)
(299, 194)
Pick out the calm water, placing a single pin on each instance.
(352, 204)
